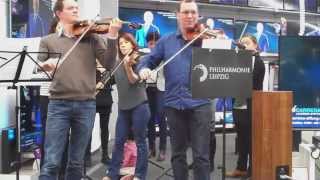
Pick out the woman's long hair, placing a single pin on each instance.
(129, 37)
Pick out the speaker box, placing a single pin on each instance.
(7, 150)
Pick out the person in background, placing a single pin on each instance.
(158, 97)
(72, 105)
(133, 109)
(261, 37)
(129, 158)
(187, 116)
(103, 107)
(242, 112)
(36, 25)
(147, 27)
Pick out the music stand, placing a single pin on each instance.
(221, 73)
(16, 80)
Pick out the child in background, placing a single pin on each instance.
(129, 159)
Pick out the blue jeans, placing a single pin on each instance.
(138, 117)
(64, 115)
(190, 126)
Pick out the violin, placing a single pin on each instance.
(199, 28)
(106, 75)
(131, 58)
(99, 27)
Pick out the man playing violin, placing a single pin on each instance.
(72, 103)
(188, 118)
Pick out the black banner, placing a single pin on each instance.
(221, 73)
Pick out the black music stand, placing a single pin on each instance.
(17, 73)
(221, 73)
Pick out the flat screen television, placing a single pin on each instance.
(266, 33)
(310, 5)
(230, 2)
(162, 22)
(30, 18)
(299, 72)
(293, 29)
(272, 4)
(30, 117)
(226, 25)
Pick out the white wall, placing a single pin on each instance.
(89, 9)
(109, 8)
(4, 18)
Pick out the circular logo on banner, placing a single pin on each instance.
(204, 70)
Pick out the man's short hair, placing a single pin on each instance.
(184, 1)
(152, 36)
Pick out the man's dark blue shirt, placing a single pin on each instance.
(177, 72)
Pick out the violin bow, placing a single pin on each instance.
(107, 76)
(156, 70)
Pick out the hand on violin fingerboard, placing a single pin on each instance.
(114, 27)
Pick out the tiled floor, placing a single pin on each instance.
(97, 170)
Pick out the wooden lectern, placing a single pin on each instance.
(271, 134)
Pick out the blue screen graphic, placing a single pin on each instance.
(310, 5)
(226, 25)
(300, 73)
(266, 34)
(162, 22)
(231, 2)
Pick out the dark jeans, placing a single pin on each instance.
(44, 101)
(156, 103)
(185, 126)
(162, 121)
(64, 115)
(138, 117)
(243, 125)
(212, 151)
(152, 101)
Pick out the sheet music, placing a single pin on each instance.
(216, 43)
(16, 44)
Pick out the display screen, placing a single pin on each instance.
(231, 2)
(310, 5)
(274, 4)
(293, 29)
(30, 117)
(30, 18)
(266, 34)
(300, 73)
(152, 21)
(226, 25)
(19, 16)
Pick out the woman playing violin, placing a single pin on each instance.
(134, 112)
(72, 104)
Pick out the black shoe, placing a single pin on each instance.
(105, 160)
(152, 153)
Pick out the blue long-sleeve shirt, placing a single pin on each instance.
(177, 72)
